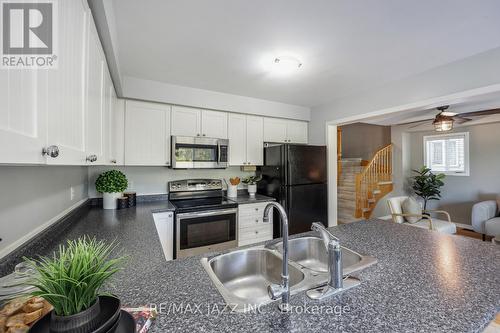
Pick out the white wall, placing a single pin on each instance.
(33, 196)
(153, 180)
(461, 192)
(173, 94)
(474, 72)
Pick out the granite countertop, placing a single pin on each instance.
(423, 281)
(244, 198)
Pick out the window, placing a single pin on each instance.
(447, 153)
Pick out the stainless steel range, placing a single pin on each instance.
(204, 220)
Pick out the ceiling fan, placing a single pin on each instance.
(444, 120)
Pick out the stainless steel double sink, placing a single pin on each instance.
(242, 276)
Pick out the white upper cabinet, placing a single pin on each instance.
(108, 110)
(285, 131)
(297, 131)
(66, 86)
(117, 132)
(255, 140)
(22, 115)
(45, 107)
(147, 133)
(237, 139)
(95, 93)
(275, 130)
(214, 124)
(195, 122)
(186, 121)
(246, 144)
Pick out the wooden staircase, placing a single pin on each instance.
(346, 190)
(373, 183)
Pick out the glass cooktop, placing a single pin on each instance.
(202, 204)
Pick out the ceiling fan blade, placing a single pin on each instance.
(480, 113)
(418, 123)
(460, 120)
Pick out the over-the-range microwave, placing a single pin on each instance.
(199, 152)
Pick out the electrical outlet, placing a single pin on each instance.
(71, 193)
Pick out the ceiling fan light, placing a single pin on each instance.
(443, 123)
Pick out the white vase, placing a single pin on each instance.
(252, 189)
(109, 200)
(232, 191)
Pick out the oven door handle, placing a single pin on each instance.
(210, 213)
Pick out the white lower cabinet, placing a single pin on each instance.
(251, 226)
(164, 223)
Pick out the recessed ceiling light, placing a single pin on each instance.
(286, 64)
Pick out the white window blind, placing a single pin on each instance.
(447, 153)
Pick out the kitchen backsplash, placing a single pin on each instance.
(153, 180)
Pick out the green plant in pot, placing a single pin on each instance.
(427, 185)
(71, 281)
(251, 182)
(111, 184)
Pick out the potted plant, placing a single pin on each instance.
(427, 185)
(111, 184)
(71, 281)
(251, 182)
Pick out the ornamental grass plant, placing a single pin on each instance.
(71, 280)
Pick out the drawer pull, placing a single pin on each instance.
(256, 231)
(257, 221)
(256, 209)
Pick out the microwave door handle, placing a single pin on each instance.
(218, 153)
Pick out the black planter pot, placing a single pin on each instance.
(83, 322)
(99, 318)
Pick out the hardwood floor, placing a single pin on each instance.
(472, 234)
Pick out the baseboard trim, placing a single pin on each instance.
(40, 229)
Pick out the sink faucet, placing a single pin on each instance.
(283, 289)
(336, 282)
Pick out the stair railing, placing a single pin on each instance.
(378, 170)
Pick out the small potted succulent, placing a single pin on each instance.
(251, 182)
(111, 184)
(71, 281)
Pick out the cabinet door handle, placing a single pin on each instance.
(113, 161)
(257, 221)
(256, 209)
(91, 158)
(51, 151)
(256, 232)
(204, 135)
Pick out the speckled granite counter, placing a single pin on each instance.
(244, 198)
(423, 282)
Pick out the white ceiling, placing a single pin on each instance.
(471, 104)
(345, 46)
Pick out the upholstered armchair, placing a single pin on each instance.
(425, 220)
(485, 219)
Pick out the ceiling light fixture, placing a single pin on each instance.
(443, 122)
(286, 64)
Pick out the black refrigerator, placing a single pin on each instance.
(296, 176)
